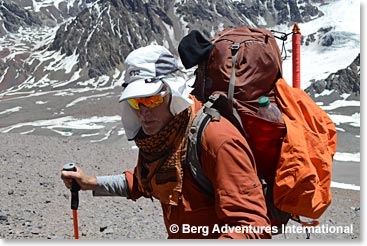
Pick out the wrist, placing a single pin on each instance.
(91, 183)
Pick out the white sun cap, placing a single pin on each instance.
(147, 70)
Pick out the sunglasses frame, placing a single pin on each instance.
(139, 100)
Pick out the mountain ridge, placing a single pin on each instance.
(93, 37)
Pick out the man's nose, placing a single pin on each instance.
(143, 110)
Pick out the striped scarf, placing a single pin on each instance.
(161, 158)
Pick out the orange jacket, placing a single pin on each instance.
(303, 175)
(239, 209)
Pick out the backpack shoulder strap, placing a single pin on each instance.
(206, 114)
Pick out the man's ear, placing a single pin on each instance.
(194, 48)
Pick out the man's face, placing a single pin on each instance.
(154, 119)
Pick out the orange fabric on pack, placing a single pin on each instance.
(303, 174)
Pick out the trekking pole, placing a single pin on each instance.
(74, 198)
(296, 56)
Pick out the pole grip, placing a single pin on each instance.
(74, 187)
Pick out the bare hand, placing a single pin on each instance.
(85, 182)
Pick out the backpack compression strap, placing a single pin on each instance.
(232, 82)
(234, 49)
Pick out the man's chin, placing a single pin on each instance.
(149, 130)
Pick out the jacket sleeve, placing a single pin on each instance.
(239, 201)
(113, 185)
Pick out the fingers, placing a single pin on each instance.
(68, 176)
(68, 183)
(84, 181)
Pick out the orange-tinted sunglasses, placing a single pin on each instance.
(149, 102)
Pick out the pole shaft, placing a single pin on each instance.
(75, 220)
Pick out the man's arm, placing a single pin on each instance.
(113, 185)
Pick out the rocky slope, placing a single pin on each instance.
(343, 81)
(36, 205)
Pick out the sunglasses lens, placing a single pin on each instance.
(134, 103)
(149, 102)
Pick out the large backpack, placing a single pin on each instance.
(294, 160)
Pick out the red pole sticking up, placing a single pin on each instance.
(296, 56)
